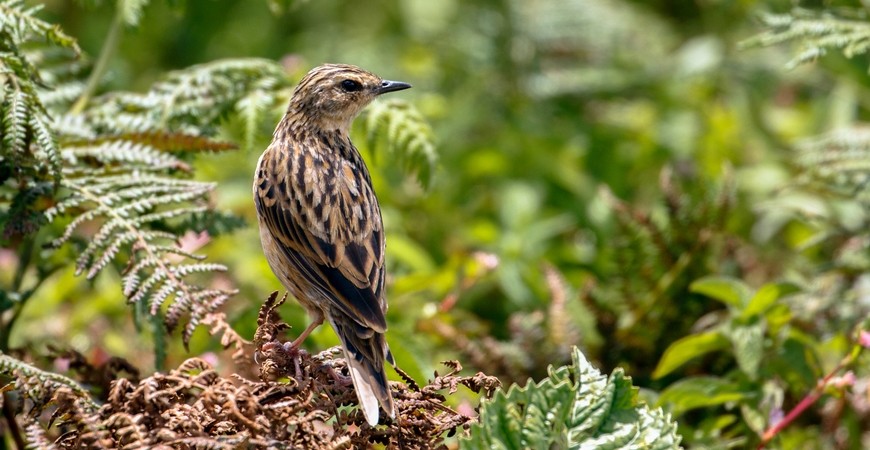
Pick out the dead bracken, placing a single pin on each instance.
(300, 401)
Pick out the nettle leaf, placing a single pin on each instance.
(575, 407)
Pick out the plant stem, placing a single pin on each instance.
(159, 341)
(24, 256)
(11, 423)
(102, 64)
(809, 399)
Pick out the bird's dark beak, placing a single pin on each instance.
(391, 86)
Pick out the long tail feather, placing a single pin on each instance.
(365, 351)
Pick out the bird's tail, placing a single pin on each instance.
(365, 351)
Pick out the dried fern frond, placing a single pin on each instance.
(408, 136)
(218, 326)
(309, 404)
(815, 32)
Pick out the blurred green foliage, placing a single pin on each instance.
(596, 162)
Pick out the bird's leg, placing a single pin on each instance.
(293, 346)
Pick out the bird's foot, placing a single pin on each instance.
(295, 353)
(276, 358)
(338, 377)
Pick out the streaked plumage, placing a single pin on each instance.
(320, 223)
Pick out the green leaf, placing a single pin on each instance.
(699, 392)
(756, 420)
(730, 291)
(797, 363)
(131, 10)
(688, 348)
(748, 342)
(575, 407)
(766, 297)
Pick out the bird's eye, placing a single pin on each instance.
(351, 86)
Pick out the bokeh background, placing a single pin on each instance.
(594, 159)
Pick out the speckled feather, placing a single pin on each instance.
(320, 223)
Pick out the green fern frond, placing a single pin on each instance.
(15, 121)
(61, 74)
(131, 10)
(575, 407)
(407, 135)
(815, 32)
(123, 186)
(36, 383)
(21, 23)
(28, 146)
(127, 154)
(837, 163)
(28, 143)
(253, 107)
(122, 160)
(190, 101)
(41, 389)
(206, 92)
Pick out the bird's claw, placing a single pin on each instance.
(338, 377)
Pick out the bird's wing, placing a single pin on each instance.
(324, 216)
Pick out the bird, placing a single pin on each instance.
(320, 222)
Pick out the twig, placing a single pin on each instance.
(809, 399)
(11, 423)
(102, 64)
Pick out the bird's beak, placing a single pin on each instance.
(391, 86)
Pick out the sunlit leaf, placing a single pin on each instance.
(765, 297)
(727, 290)
(688, 348)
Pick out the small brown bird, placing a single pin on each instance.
(320, 223)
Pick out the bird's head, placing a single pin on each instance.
(331, 95)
